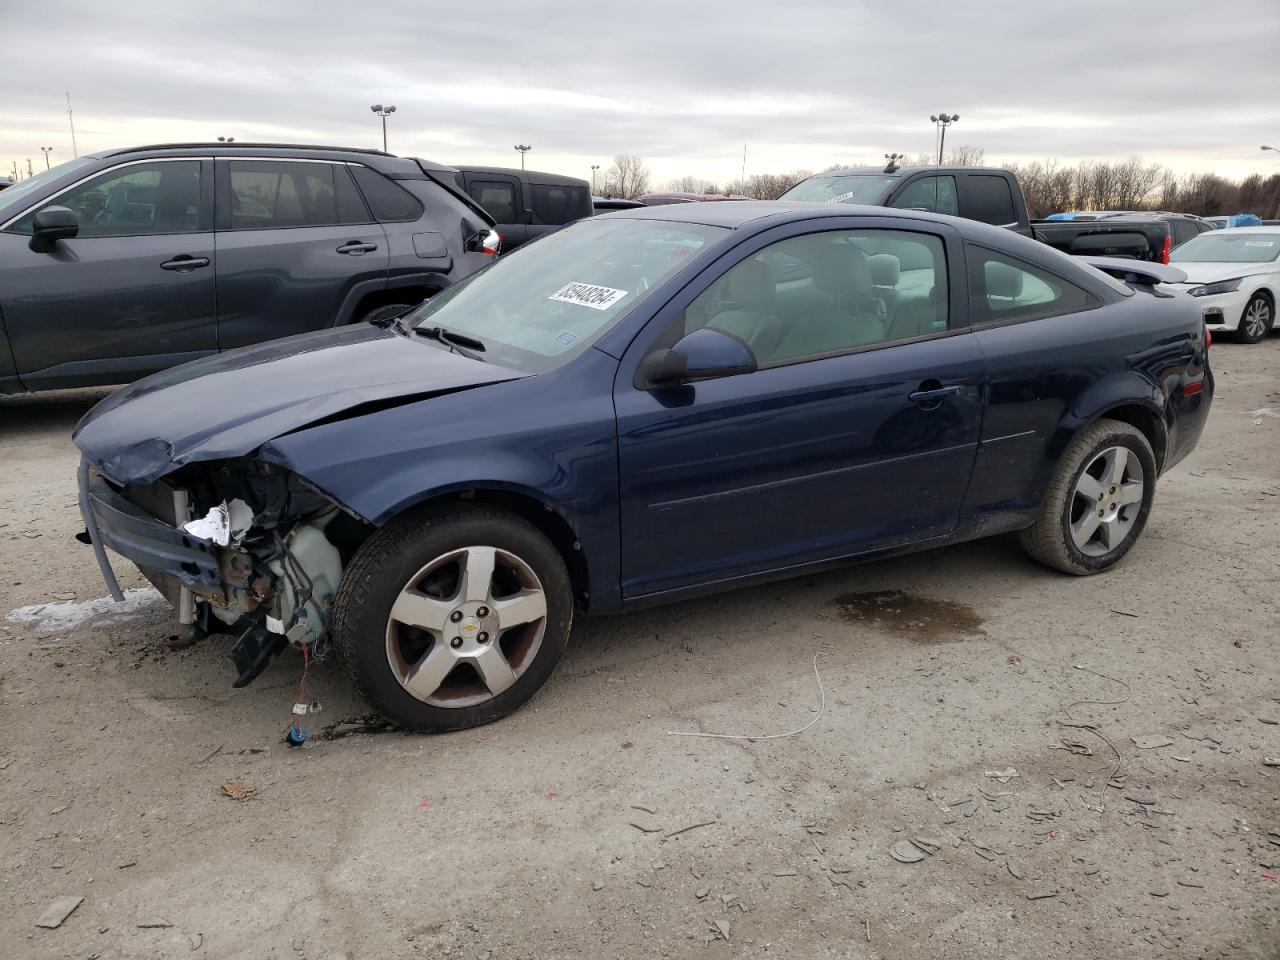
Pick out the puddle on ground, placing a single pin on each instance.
(923, 619)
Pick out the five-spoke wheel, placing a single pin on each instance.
(452, 617)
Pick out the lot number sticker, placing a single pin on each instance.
(841, 199)
(588, 295)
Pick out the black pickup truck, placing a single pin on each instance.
(989, 195)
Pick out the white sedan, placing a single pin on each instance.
(1235, 274)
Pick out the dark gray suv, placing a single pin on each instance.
(119, 264)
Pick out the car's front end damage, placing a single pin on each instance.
(239, 546)
(177, 477)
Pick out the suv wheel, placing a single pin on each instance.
(1098, 503)
(451, 618)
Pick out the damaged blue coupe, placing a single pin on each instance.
(641, 407)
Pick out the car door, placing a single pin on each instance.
(857, 432)
(502, 198)
(294, 238)
(130, 294)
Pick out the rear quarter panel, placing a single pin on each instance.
(1051, 377)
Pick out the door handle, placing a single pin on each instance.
(357, 247)
(185, 263)
(932, 393)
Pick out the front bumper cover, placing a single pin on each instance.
(159, 549)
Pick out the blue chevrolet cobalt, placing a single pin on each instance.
(641, 407)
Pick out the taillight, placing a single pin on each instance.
(1164, 250)
(493, 242)
(1208, 338)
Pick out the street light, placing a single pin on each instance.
(383, 112)
(1276, 149)
(523, 148)
(893, 159)
(46, 151)
(942, 121)
(594, 168)
(226, 139)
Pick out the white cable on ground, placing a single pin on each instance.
(768, 736)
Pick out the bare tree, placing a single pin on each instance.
(688, 184)
(963, 156)
(768, 186)
(627, 177)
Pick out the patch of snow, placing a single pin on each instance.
(68, 615)
(1264, 412)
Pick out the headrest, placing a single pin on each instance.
(1003, 280)
(842, 269)
(750, 284)
(885, 269)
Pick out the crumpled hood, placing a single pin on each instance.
(230, 404)
(1198, 273)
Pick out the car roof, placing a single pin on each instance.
(529, 176)
(388, 163)
(1273, 230)
(742, 212)
(905, 171)
(693, 197)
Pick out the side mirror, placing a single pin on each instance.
(702, 355)
(51, 225)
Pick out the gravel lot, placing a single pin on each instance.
(556, 833)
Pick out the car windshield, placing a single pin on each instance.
(1220, 247)
(849, 188)
(21, 195)
(543, 304)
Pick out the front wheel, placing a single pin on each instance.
(1256, 321)
(384, 312)
(451, 618)
(1098, 502)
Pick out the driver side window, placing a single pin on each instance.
(828, 293)
(136, 200)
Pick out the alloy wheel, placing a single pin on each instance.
(466, 626)
(1107, 501)
(1256, 318)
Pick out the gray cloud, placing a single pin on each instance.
(683, 84)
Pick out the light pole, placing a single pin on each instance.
(46, 151)
(523, 148)
(594, 168)
(226, 139)
(383, 112)
(942, 121)
(893, 159)
(1276, 149)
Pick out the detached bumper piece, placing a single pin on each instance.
(158, 548)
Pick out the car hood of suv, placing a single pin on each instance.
(230, 404)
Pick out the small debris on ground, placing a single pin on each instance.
(1152, 741)
(1004, 776)
(597, 885)
(155, 923)
(239, 789)
(58, 911)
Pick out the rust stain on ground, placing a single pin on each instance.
(923, 619)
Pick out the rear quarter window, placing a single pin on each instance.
(388, 201)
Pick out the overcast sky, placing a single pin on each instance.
(1184, 83)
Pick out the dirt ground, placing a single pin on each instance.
(558, 832)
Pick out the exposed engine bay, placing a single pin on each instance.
(252, 550)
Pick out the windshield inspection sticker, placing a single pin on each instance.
(588, 295)
(567, 338)
(842, 198)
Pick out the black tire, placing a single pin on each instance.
(1259, 301)
(384, 312)
(1049, 539)
(390, 559)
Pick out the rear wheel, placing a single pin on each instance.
(1098, 503)
(1257, 319)
(452, 618)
